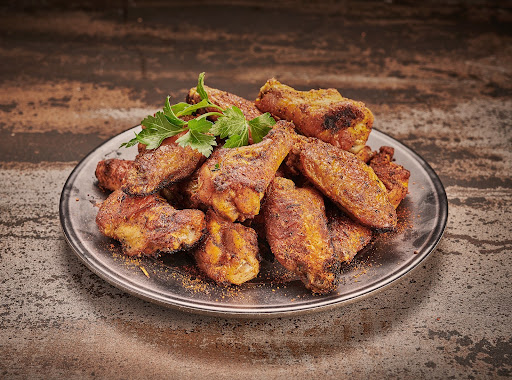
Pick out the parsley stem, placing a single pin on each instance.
(216, 106)
(204, 115)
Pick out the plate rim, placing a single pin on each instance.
(250, 312)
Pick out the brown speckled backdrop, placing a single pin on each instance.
(437, 77)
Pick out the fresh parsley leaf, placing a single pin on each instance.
(169, 114)
(178, 107)
(234, 126)
(199, 125)
(232, 123)
(158, 128)
(200, 88)
(199, 141)
(130, 143)
(260, 126)
(237, 141)
(193, 108)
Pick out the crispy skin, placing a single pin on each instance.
(229, 254)
(157, 168)
(233, 181)
(324, 114)
(147, 225)
(111, 173)
(296, 230)
(395, 177)
(225, 100)
(347, 236)
(365, 154)
(348, 182)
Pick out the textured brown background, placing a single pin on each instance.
(437, 77)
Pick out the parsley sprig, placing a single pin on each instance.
(200, 133)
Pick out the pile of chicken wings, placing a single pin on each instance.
(312, 191)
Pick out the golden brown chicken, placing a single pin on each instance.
(233, 180)
(324, 114)
(111, 173)
(157, 168)
(365, 154)
(347, 236)
(296, 230)
(395, 177)
(147, 225)
(229, 254)
(348, 182)
(224, 100)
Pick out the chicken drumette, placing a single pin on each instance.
(324, 114)
(296, 230)
(233, 180)
(229, 254)
(347, 181)
(147, 225)
(347, 236)
(153, 169)
(111, 173)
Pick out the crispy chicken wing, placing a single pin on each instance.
(348, 182)
(395, 177)
(229, 254)
(233, 180)
(324, 114)
(365, 154)
(225, 100)
(296, 230)
(147, 225)
(111, 173)
(157, 168)
(347, 236)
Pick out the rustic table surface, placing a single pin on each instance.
(437, 77)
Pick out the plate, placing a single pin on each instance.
(173, 280)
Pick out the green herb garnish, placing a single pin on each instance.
(230, 125)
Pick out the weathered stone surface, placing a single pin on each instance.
(437, 78)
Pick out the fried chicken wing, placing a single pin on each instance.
(296, 230)
(111, 173)
(225, 100)
(233, 180)
(157, 168)
(147, 225)
(323, 113)
(348, 182)
(395, 177)
(347, 236)
(365, 154)
(229, 254)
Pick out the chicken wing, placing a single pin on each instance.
(348, 182)
(347, 236)
(147, 225)
(224, 100)
(324, 114)
(157, 168)
(365, 154)
(229, 254)
(233, 180)
(296, 230)
(111, 173)
(395, 177)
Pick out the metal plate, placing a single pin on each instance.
(173, 281)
